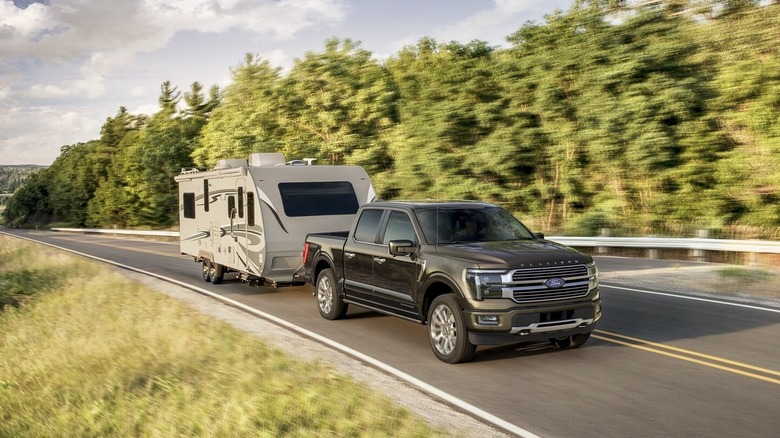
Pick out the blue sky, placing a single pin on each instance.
(67, 65)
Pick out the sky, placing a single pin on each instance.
(68, 65)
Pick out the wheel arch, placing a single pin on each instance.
(205, 255)
(320, 263)
(434, 287)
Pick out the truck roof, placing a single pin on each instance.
(428, 203)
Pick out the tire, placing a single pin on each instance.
(206, 270)
(572, 341)
(217, 273)
(447, 331)
(329, 302)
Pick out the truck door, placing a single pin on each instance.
(359, 251)
(395, 278)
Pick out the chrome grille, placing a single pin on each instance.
(528, 285)
(549, 272)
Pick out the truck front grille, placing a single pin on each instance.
(530, 285)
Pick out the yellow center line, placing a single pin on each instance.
(657, 348)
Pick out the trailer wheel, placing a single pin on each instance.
(217, 273)
(206, 270)
(329, 302)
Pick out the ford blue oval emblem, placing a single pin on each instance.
(555, 283)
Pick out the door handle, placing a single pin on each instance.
(379, 260)
(349, 255)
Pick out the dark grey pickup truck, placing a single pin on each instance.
(469, 270)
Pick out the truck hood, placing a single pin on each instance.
(514, 254)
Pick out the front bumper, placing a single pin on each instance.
(530, 324)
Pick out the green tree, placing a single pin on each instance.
(246, 118)
(450, 106)
(337, 105)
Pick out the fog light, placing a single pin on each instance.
(487, 319)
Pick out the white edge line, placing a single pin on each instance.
(477, 412)
(688, 297)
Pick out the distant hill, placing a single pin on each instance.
(14, 176)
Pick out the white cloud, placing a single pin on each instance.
(35, 135)
(494, 24)
(137, 91)
(108, 34)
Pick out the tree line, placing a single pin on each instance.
(14, 176)
(659, 117)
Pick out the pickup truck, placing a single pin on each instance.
(469, 270)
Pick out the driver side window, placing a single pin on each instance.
(399, 227)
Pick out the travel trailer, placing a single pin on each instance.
(251, 218)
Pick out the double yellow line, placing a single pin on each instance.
(690, 356)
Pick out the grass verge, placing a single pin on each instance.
(86, 352)
(745, 275)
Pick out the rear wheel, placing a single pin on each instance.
(572, 341)
(217, 273)
(329, 301)
(206, 270)
(447, 331)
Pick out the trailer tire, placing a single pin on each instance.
(329, 302)
(206, 270)
(217, 273)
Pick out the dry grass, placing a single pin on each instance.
(89, 353)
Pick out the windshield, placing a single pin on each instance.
(471, 224)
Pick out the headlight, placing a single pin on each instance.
(593, 276)
(484, 283)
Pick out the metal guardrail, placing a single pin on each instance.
(109, 231)
(695, 244)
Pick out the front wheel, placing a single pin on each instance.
(329, 302)
(447, 331)
(572, 341)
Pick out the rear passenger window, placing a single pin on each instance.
(368, 225)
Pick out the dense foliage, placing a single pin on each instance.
(654, 117)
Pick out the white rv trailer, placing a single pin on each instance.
(252, 218)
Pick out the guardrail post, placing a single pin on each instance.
(652, 253)
(602, 250)
(700, 255)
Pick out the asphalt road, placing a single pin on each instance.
(659, 364)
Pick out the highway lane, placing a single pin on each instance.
(659, 365)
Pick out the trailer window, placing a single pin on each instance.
(318, 198)
(231, 206)
(250, 208)
(206, 195)
(241, 202)
(188, 203)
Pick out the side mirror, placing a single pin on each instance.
(538, 235)
(401, 247)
